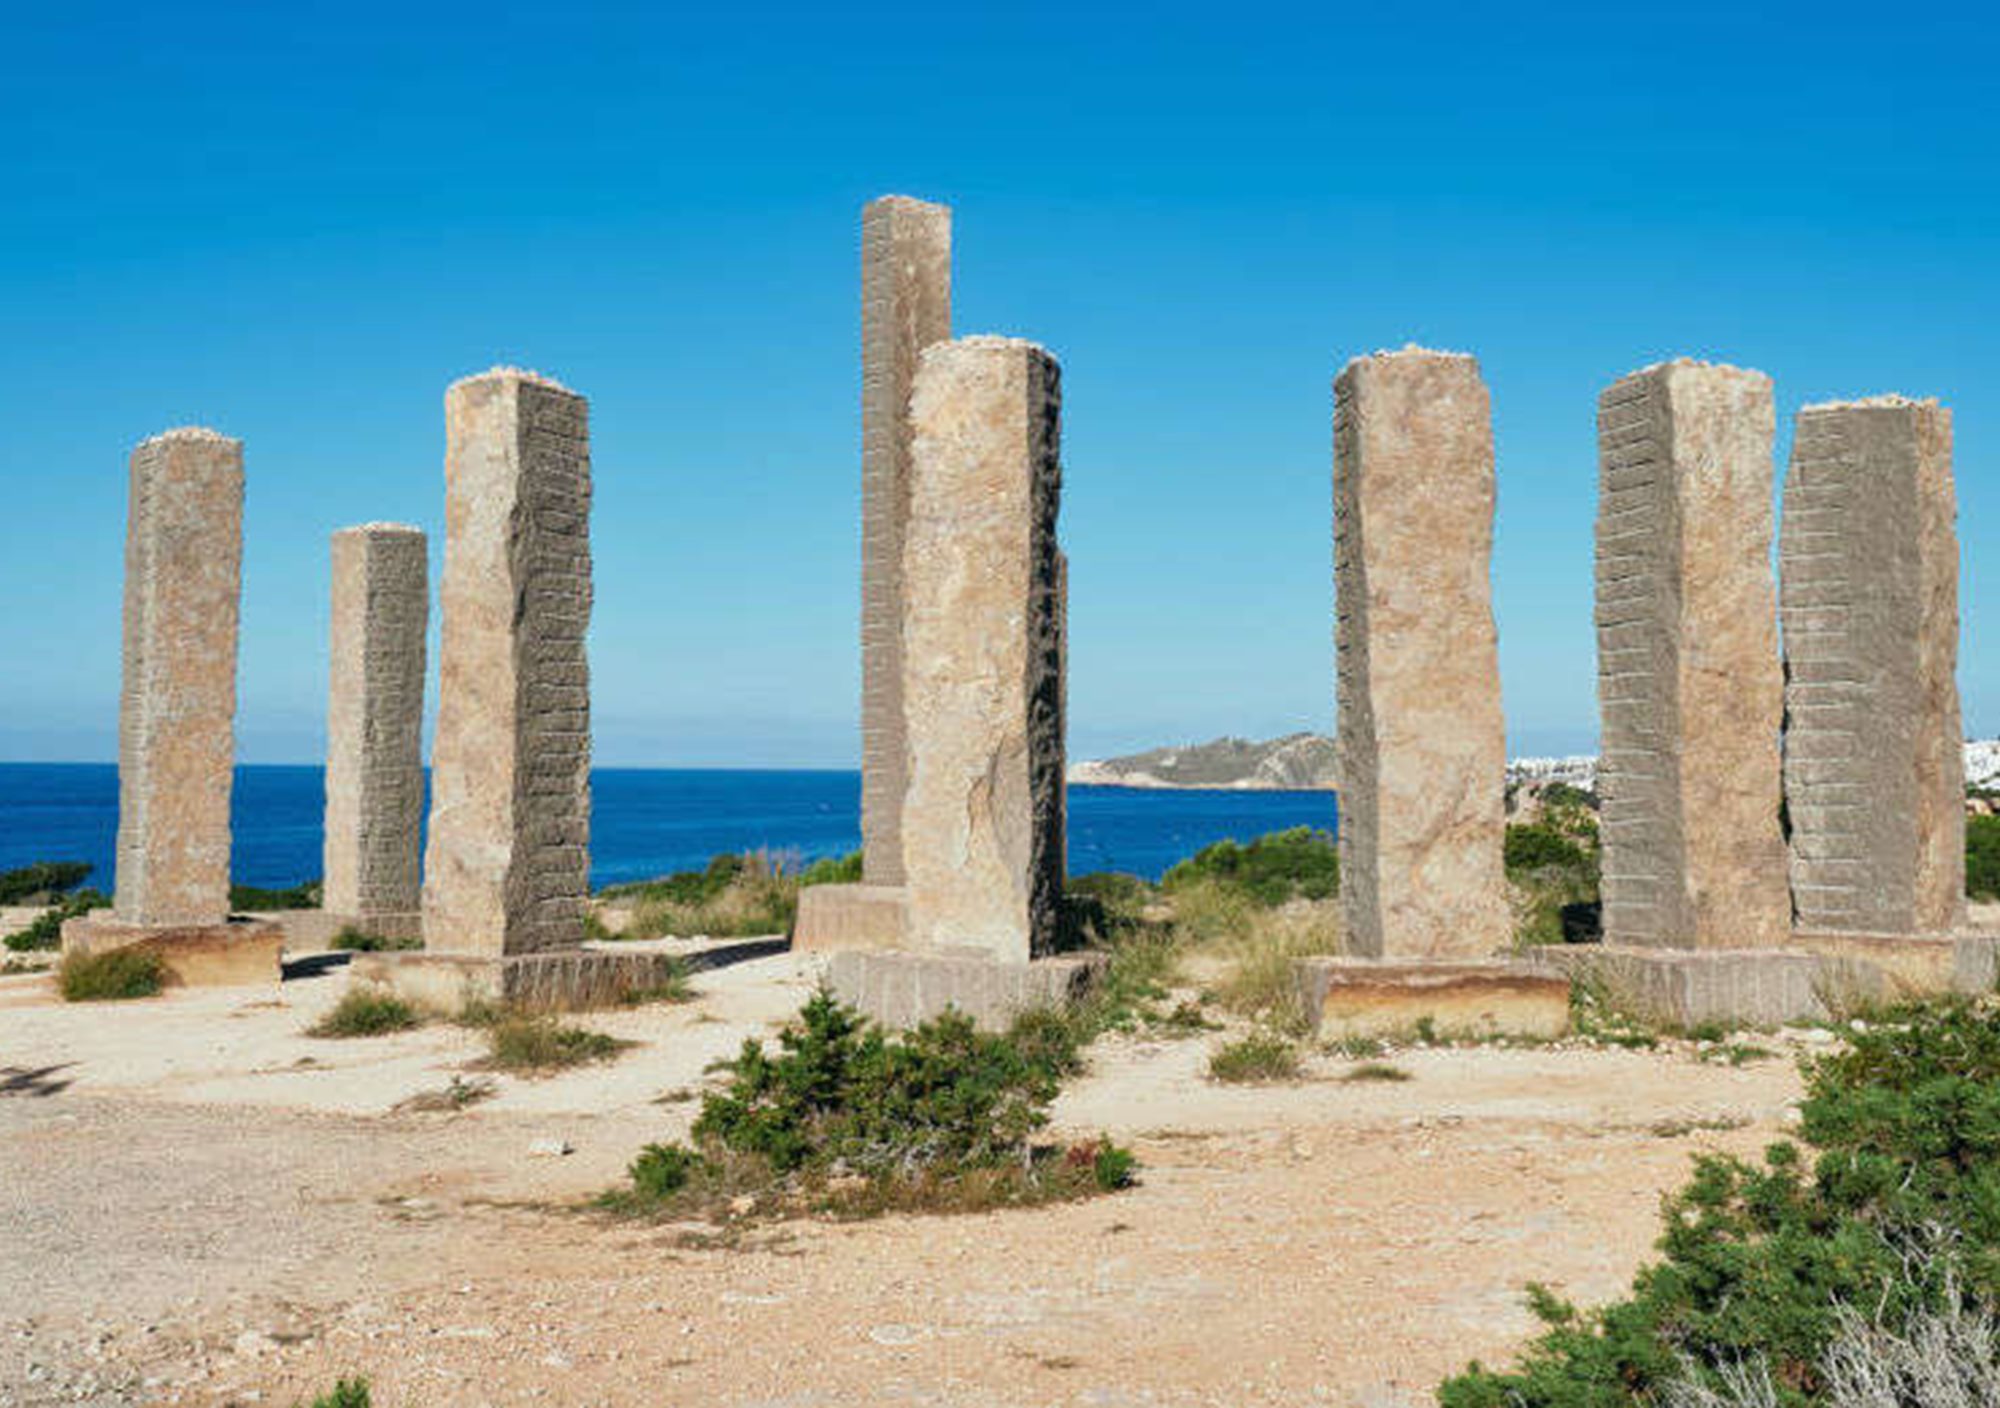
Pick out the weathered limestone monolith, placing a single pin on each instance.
(507, 862)
(983, 657)
(1423, 752)
(176, 724)
(982, 651)
(1688, 674)
(905, 307)
(375, 717)
(1873, 755)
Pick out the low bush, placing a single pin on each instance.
(1377, 1071)
(1552, 873)
(355, 940)
(1302, 863)
(536, 1044)
(1255, 1059)
(833, 870)
(112, 976)
(1982, 857)
(365, 1011)
(846, 1118)
(733, 896)
(1890, 1212)
(257, 899)
(346, 1393)
(45, 931)
(42, 881)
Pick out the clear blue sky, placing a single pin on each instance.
(299, 223)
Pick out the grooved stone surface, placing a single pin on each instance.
(1874, 767)
(905, 307)
(506, 869)
(374, 722)
(1687, 661)
(907, 989)
(1422, 742)
(176, 718)
(982, 651)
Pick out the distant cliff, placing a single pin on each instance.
(1297, 761)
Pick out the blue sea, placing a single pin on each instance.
(644, 821)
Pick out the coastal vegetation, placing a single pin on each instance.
(364, 1011)
(42, 882)
(257, 899)
(849, 1120)
(1867, 1249)
(112, 976)
(734, 895)
(45, 930)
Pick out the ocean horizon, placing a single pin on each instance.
(644, 821)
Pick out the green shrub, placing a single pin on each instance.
(257, 899)
(734, 895)
(1982, 857)
(112, 976)
(1893, 1210)
(45, 930)
(1377, 1071)
(833, 870)
(944, 1115)
(353, 940)
(346, 1393)
(1302, 863)
(364, 1011)
(535, 1043)
(45, 878)
(1254, 1059)
(1538, 846)
(662, 1170)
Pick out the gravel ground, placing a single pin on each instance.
(190, 1215)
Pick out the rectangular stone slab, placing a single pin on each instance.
(374, 726)
(1687, 653)
(507, 864)
(232, 952)
(905, 307)
(177, 710)
(1349, 997)
(835, 917)
(1873, 759)
(1422, 740)
(983, 653)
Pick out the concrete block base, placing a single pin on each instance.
(1759, 987)
(1913, 966)
(905, 989)
(565, 981)
(1367, 997)
(236, 951)
(313, 930)
(836, 917)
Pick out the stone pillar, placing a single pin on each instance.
(1873, 748)
(176, 720)
(375, 718)
(507, 867)
(1688, 676)
(1422, 740)
(177, 714)
(982, 652)
(905, 307)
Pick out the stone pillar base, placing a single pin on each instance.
(1369, 997)
(236, 951)
(567, 980)
(1817, 977)
(313, 930)
(906, 989)
(836, 917)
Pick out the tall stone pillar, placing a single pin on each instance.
(176, 721)
(905, 307)
(507, 868)
(1688, 675)
(1873, 748)
(983, 652)
(1422, 740)
(375, 718)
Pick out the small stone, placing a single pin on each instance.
(550, 1148)
(252, 1344)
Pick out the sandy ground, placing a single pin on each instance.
(199, 1204)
